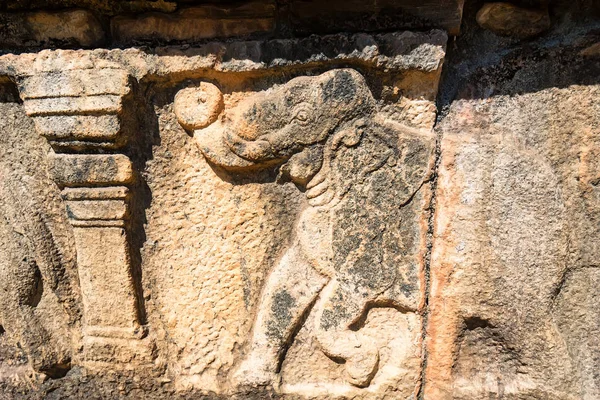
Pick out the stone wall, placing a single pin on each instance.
(299, 200)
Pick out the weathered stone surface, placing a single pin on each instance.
(255, 236)
(195, 23)
(97, 209)
(150, 21)
(198, 107)
(91, 170)
(370, 15)
(105, 6)
(507, 19)
(73, 28)
(75, 83)
(591, 51)
(69, 105)
(325, 131)
(397, 51)
(516, 224)
(78, 127)
(40, 302)
(279, 219)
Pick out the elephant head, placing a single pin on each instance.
(287, 124)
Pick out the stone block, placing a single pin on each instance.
(338, 15)
(196, 23)
(78, 127)
(75, 83)
(91, 170)
(507, 19)
(97, 209)
(101, 193)
(74, 28)
(392, 52)
(516, 208)
(103, 263)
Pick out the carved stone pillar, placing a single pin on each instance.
(79, 112)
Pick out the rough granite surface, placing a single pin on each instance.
(292, 200)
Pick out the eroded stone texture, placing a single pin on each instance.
(198, 107)
(277, 218)
(315, 16)
(344, 248)
(262, 213)
(40, 305)
(195, 23)
(510, 20)
(516, 227)
(72, 28)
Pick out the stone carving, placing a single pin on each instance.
(357, 173)
(80, 113)
(38, 297)
(310, 236)
(171, 254)
(198, 107)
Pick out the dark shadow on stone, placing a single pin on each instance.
(8, 91)
(141, 126)
(480, 64)
(38, 286)
(362, 320)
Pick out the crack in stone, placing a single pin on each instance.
(427, 262)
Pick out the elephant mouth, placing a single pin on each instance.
(222, 147)
(258, 150)
(211, 143)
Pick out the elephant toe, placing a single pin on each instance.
(362, 366)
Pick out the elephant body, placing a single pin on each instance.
(355, 240)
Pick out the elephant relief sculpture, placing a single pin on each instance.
(357, 172)
(38, 286)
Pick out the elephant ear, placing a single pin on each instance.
(302, 166)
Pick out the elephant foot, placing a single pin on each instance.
(255, 371)
(362, 366)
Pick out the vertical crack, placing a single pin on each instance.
(427, 262)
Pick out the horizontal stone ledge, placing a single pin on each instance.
(105, 104)
(78, 146)
(102, 193)
(318, 16)
(41, 28)
(127, 351)
(136, 332)
(98, 223)
(76, 170)
(74, 83)
(392, 52)
(195, 23)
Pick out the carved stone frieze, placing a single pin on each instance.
(286, 202)
(288, 199)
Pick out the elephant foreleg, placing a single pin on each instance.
(21, 291)
(290, 289)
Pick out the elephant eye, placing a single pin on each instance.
(302, 115)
